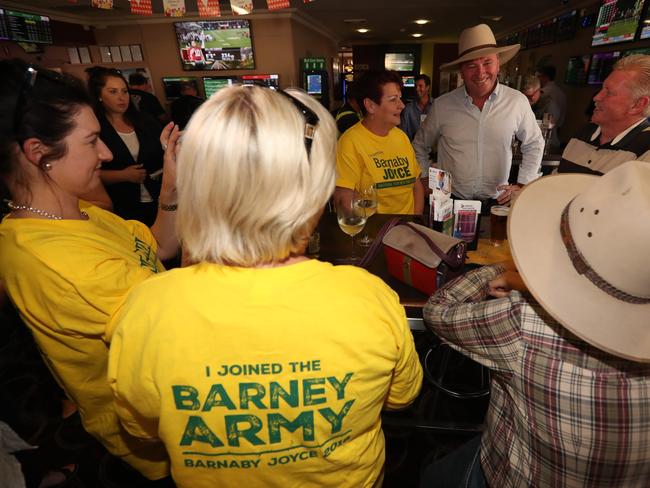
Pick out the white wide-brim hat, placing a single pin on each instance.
(607, 228)
(477, 42)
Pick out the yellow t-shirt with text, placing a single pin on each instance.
(264, 377)
(66, 278)
(389, 161)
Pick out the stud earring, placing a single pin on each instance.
(101, 99)
(47, 166)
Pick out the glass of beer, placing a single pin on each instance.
(498, 223)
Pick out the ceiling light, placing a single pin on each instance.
(363, 31)
(493, 18)
(422, 21)
(417, 34)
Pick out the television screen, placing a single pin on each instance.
(534, 36)
(640, 50)
(601, 66)
(548, 31)
(567, 26)
(314, 84)
(269, 81)
(645, 24)
(212, 84)
(173, 85)
(4, 32)
(399, 61)
(408, 81)
(26, 27)
(577, 70)
(617, 21)
(215, 44)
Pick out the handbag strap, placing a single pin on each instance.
(377, 243)
(450, 261)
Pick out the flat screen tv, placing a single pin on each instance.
(567, 26)
(212, 84)
(617, 21)
(408, 81)
(26, 27)
(534, 36)
(4, 32)
(215, 44)
(173, 85)
(645, 24)
(315, 84)
(269, 81)
(399, 61)
(601, 66)
(577, 70)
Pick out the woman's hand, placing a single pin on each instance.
(134, 173)
(169, 140)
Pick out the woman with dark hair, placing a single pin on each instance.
(66, 264)
(375, 150)
(132, 177)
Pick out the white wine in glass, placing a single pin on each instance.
(351, 220)
(352, 225)
(365, 198)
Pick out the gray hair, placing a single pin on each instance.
(640, 84)
(531, 83)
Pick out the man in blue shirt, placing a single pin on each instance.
(416, 110)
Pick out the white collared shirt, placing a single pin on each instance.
(614, 141)
(476, 145)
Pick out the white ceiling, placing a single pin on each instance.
(388, 20)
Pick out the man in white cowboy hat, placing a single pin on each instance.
(619, 130)
(567, 338)
(473, 125)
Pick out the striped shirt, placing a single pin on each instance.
(562, 413)
(584, 153)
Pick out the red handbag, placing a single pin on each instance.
(421, 257)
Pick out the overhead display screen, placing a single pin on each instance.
(215, 44)
(601, 66)
(212, 84)
(4, 32)
(399, 61)
(617, 21)
(26, 27)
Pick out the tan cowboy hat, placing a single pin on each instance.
(606, 234)
(477, 42)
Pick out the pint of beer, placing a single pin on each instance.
(498, 222)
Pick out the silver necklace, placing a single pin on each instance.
(37, 211)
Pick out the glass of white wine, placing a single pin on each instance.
(365, 198)
(351, 220)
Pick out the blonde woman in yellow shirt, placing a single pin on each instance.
(257, 366)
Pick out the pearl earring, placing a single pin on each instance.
(47, 166)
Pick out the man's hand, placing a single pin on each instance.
(502, 285)
(507, 192)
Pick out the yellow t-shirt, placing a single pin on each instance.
(389, 161)
(263, 377)
(66, 278)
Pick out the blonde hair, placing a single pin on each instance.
(640, 84)
(247, 192)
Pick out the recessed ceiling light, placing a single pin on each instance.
(422, 21)
(417, 34)
(363, 31)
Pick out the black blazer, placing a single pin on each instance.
(126, 196)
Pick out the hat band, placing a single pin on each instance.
(475, 48)
(583, 268)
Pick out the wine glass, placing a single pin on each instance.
(351, 219)
(365, 198)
